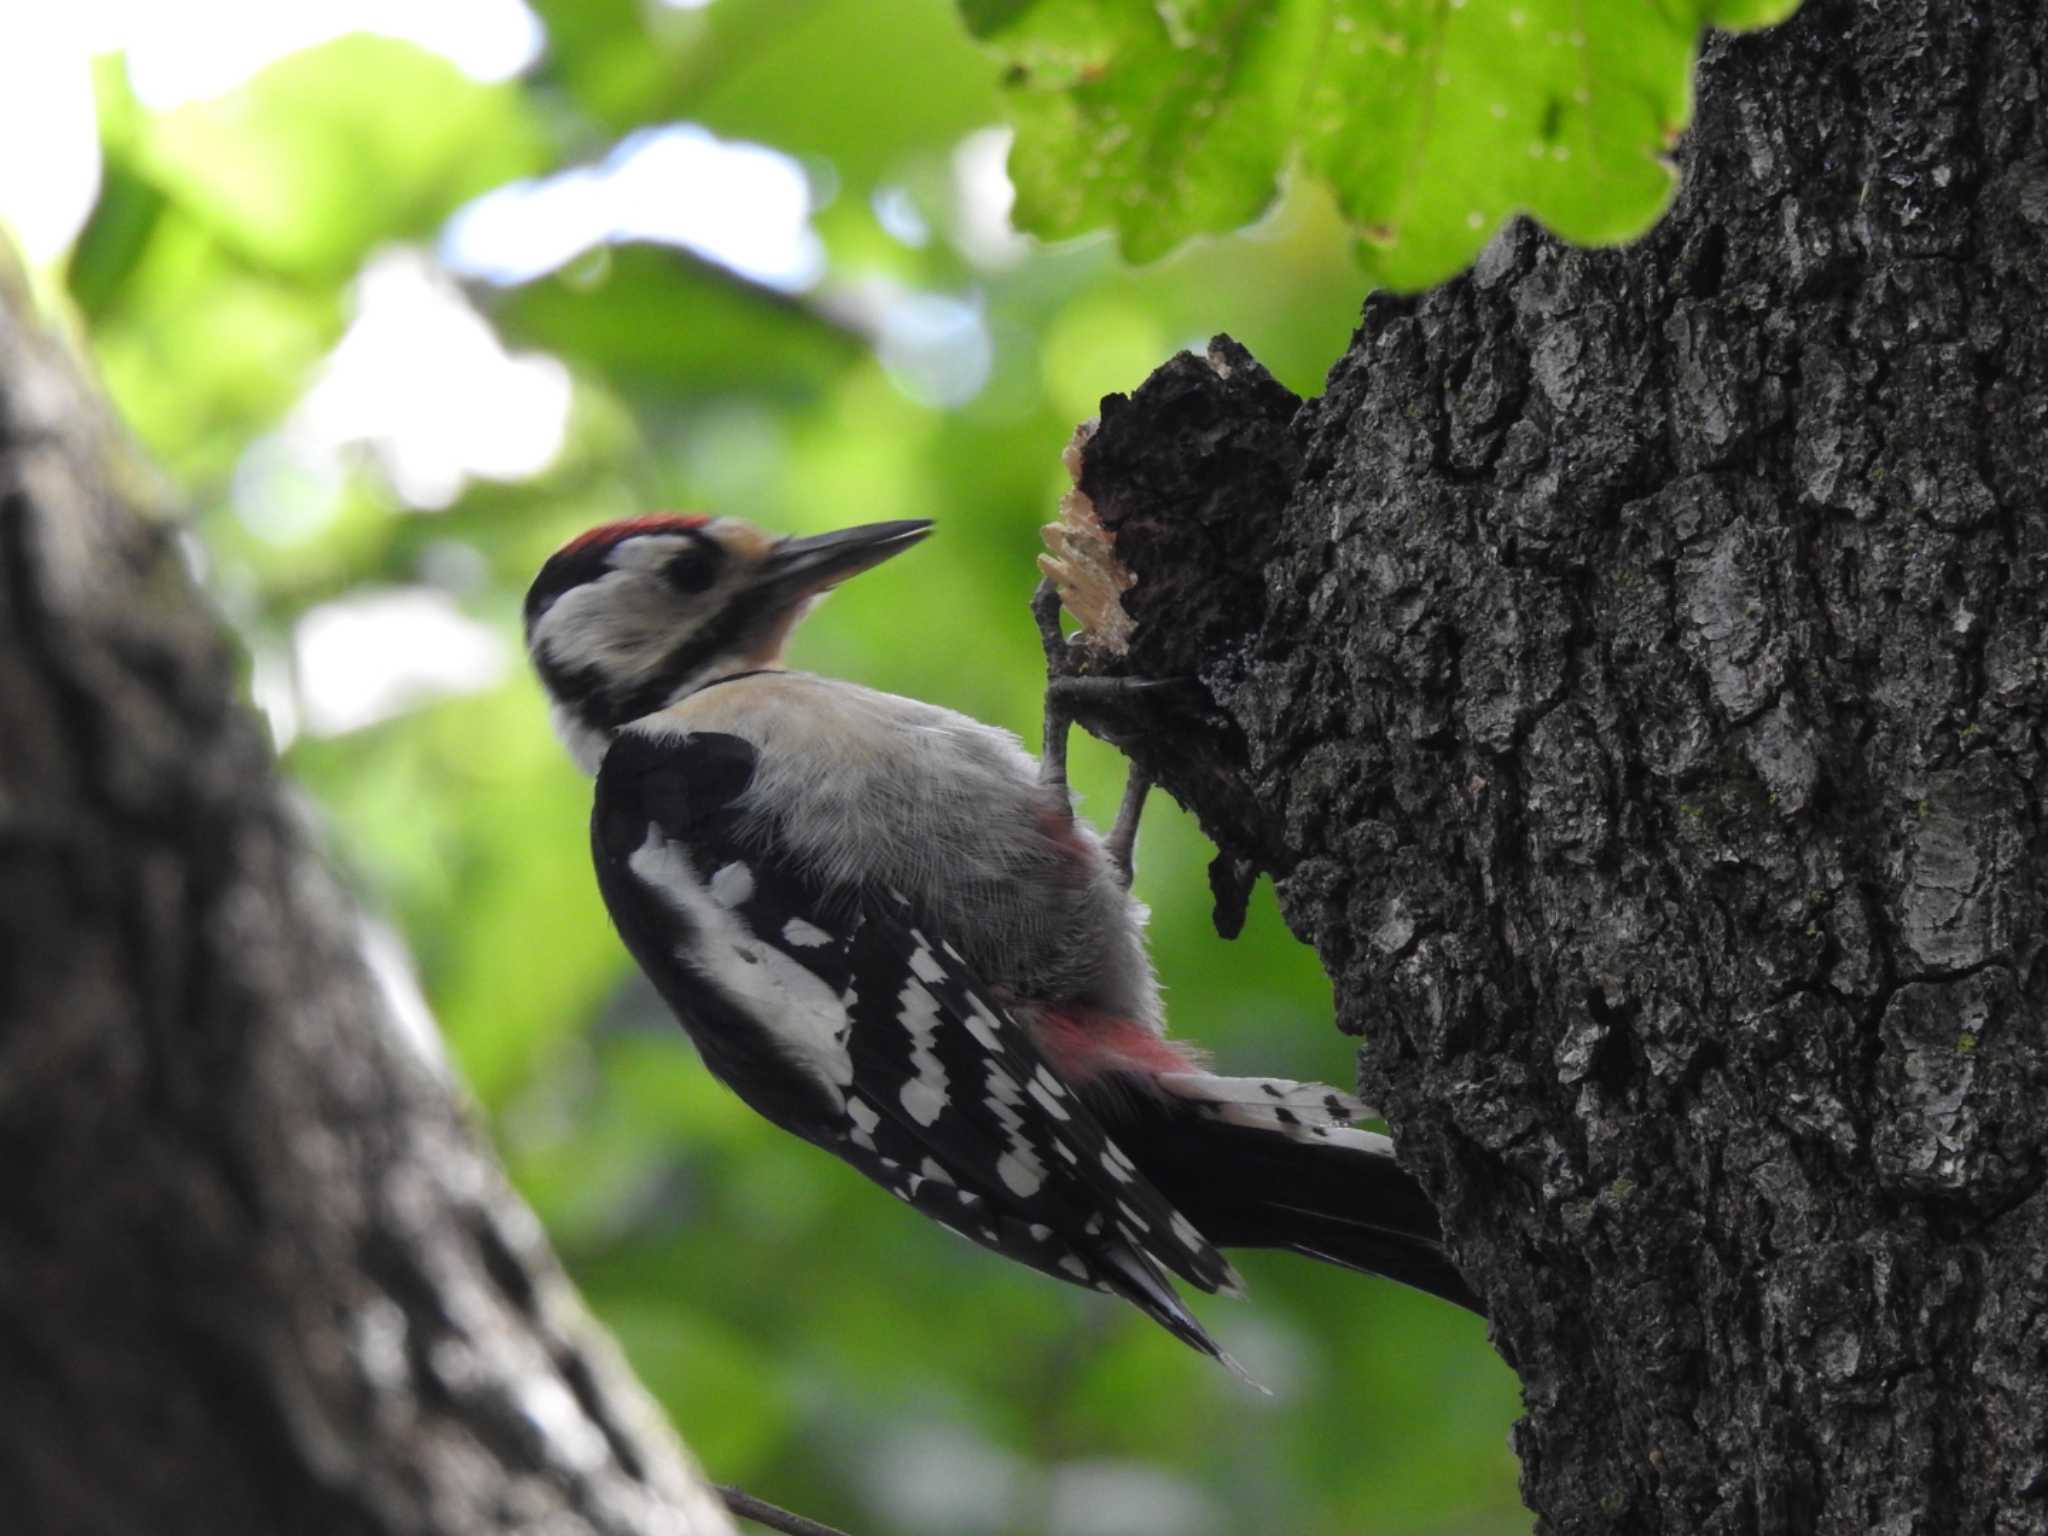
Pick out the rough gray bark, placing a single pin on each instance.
(256, 1271)
(1634, 672)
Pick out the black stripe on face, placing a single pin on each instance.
(565, 570)
(734, 628)
(694, 569)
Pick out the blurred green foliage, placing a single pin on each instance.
(813, 1340)
(1431, 122)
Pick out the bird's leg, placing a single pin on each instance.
(1064, 697)
(1059, 719)
(1123, 837)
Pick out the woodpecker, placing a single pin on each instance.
(886, 930)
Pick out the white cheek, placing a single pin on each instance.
(621, 626)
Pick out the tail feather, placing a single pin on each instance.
(1330, 1193)
(1304, 1111)
(1134, 1276)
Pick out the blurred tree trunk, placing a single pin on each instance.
(256, 1272)
(1634, 673)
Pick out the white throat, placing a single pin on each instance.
(586, 744)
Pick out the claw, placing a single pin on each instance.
(1045, 608)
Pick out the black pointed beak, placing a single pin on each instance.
(797, 568)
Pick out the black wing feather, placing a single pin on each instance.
(950, 1104)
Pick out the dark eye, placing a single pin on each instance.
(696, 567)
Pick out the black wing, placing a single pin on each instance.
(842, 1014)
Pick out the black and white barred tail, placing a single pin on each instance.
(1268, 1163)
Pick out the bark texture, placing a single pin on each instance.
(256, 1272)
(1634, 672)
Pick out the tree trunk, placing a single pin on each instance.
(1634, 673)
(256, 1271)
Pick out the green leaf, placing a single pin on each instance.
(1431, 120)
(663, 319)
(336, 149)
(616, 59)
(199, 350)
(872, 83)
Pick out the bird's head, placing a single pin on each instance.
(631, 616)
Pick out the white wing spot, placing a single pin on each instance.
(804, 1014)
(1020, 1167)
(1046, 1100)
(921, 1101)
(983, 1026)
(924, 967)
(802, 935)
(733, 884)
(1073, 1266)
(1132, 1216)
(924, 1096)
(1190, 1239)
(864, 1119)
(1024, 1174)
(934, 1172)
(1039, 1231)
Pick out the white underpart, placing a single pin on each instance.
(924, 1096)
(1019, 1168)
(862, 787)
(586, 744)
(798, 1009)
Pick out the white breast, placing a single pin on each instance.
(868, 787)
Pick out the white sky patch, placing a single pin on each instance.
(46, 101)
(275, 694)
(186, 52)
(896, 211)
(741, 205)
(201, 48)
(983, 198)
(423, 381)
(368, 657)
(936, 348)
